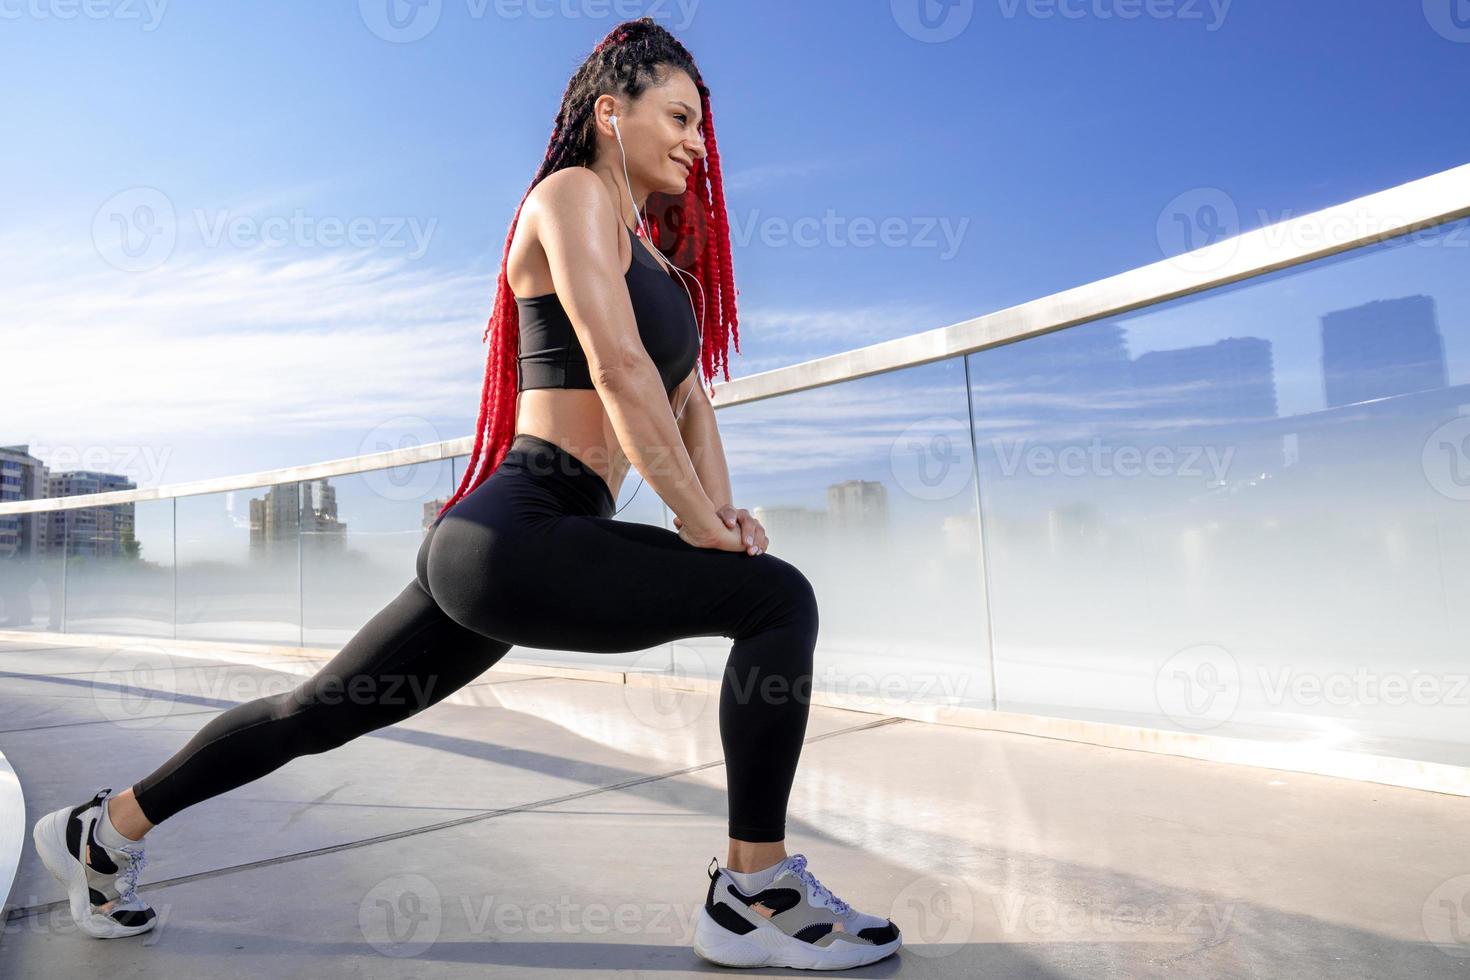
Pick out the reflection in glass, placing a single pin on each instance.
(32, 569)
(867, 487)
(360, 535)
(238, 565)
(120, 569)
(1245, 512)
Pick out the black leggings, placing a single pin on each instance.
(533, 558)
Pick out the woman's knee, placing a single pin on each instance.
(793, 599)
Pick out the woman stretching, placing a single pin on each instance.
(594, 365)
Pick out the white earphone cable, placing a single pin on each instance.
(663, 260)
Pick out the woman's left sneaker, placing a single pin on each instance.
(794, 921)
(100, 881)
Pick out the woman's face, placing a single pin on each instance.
(661, 134)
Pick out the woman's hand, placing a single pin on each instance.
(750, 536)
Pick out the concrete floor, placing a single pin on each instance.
(555, 827)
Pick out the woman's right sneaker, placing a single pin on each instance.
(794, 921)
(100, 881)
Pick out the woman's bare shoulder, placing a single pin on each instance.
(572, 192)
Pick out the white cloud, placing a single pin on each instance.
(765, 175)
(231, 340)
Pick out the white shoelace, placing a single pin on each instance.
(129, 876)
(798, 867)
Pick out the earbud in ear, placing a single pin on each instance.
(616, 132)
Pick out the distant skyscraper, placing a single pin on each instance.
(857, 505)
(1380, 349)
(98, 532)
(791, 523)
(22, 477)
(1230, 380)
(305, 510)
(1039, 380)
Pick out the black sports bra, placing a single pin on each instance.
(551, 356)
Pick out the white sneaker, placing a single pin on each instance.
(100, 881)
(794, 921)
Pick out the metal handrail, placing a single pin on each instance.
(1418, 204)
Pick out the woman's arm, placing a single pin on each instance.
(579, 232)
(702, 439)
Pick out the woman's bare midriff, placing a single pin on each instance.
(573, 418)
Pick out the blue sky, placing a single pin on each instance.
(1036, 149)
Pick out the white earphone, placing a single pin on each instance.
(663, 260)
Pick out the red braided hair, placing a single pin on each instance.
(696, 232)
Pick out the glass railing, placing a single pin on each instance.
(1227, 493)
